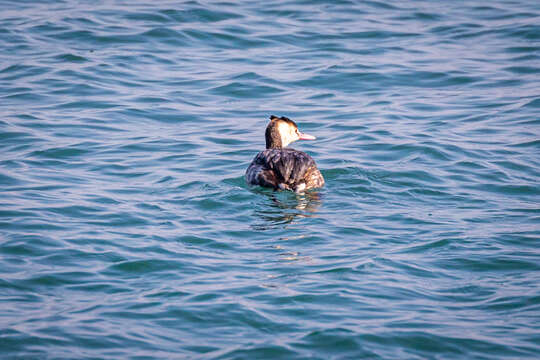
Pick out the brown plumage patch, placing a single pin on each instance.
(313, 178)
(287, 167)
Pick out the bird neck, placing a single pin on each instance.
(273, 138)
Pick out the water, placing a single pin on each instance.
(127, 230)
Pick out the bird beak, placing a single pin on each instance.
(306, 137)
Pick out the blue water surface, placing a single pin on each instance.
(127, 230)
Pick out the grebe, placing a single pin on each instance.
(282, 168)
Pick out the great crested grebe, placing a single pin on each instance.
(281, 168)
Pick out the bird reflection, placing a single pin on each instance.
(284, 207)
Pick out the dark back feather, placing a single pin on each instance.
(289, 165)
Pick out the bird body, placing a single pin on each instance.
(284, 168)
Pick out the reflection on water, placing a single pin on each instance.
(284, 207)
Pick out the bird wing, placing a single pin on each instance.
(288, 165)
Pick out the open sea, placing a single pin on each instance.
(127, 230)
